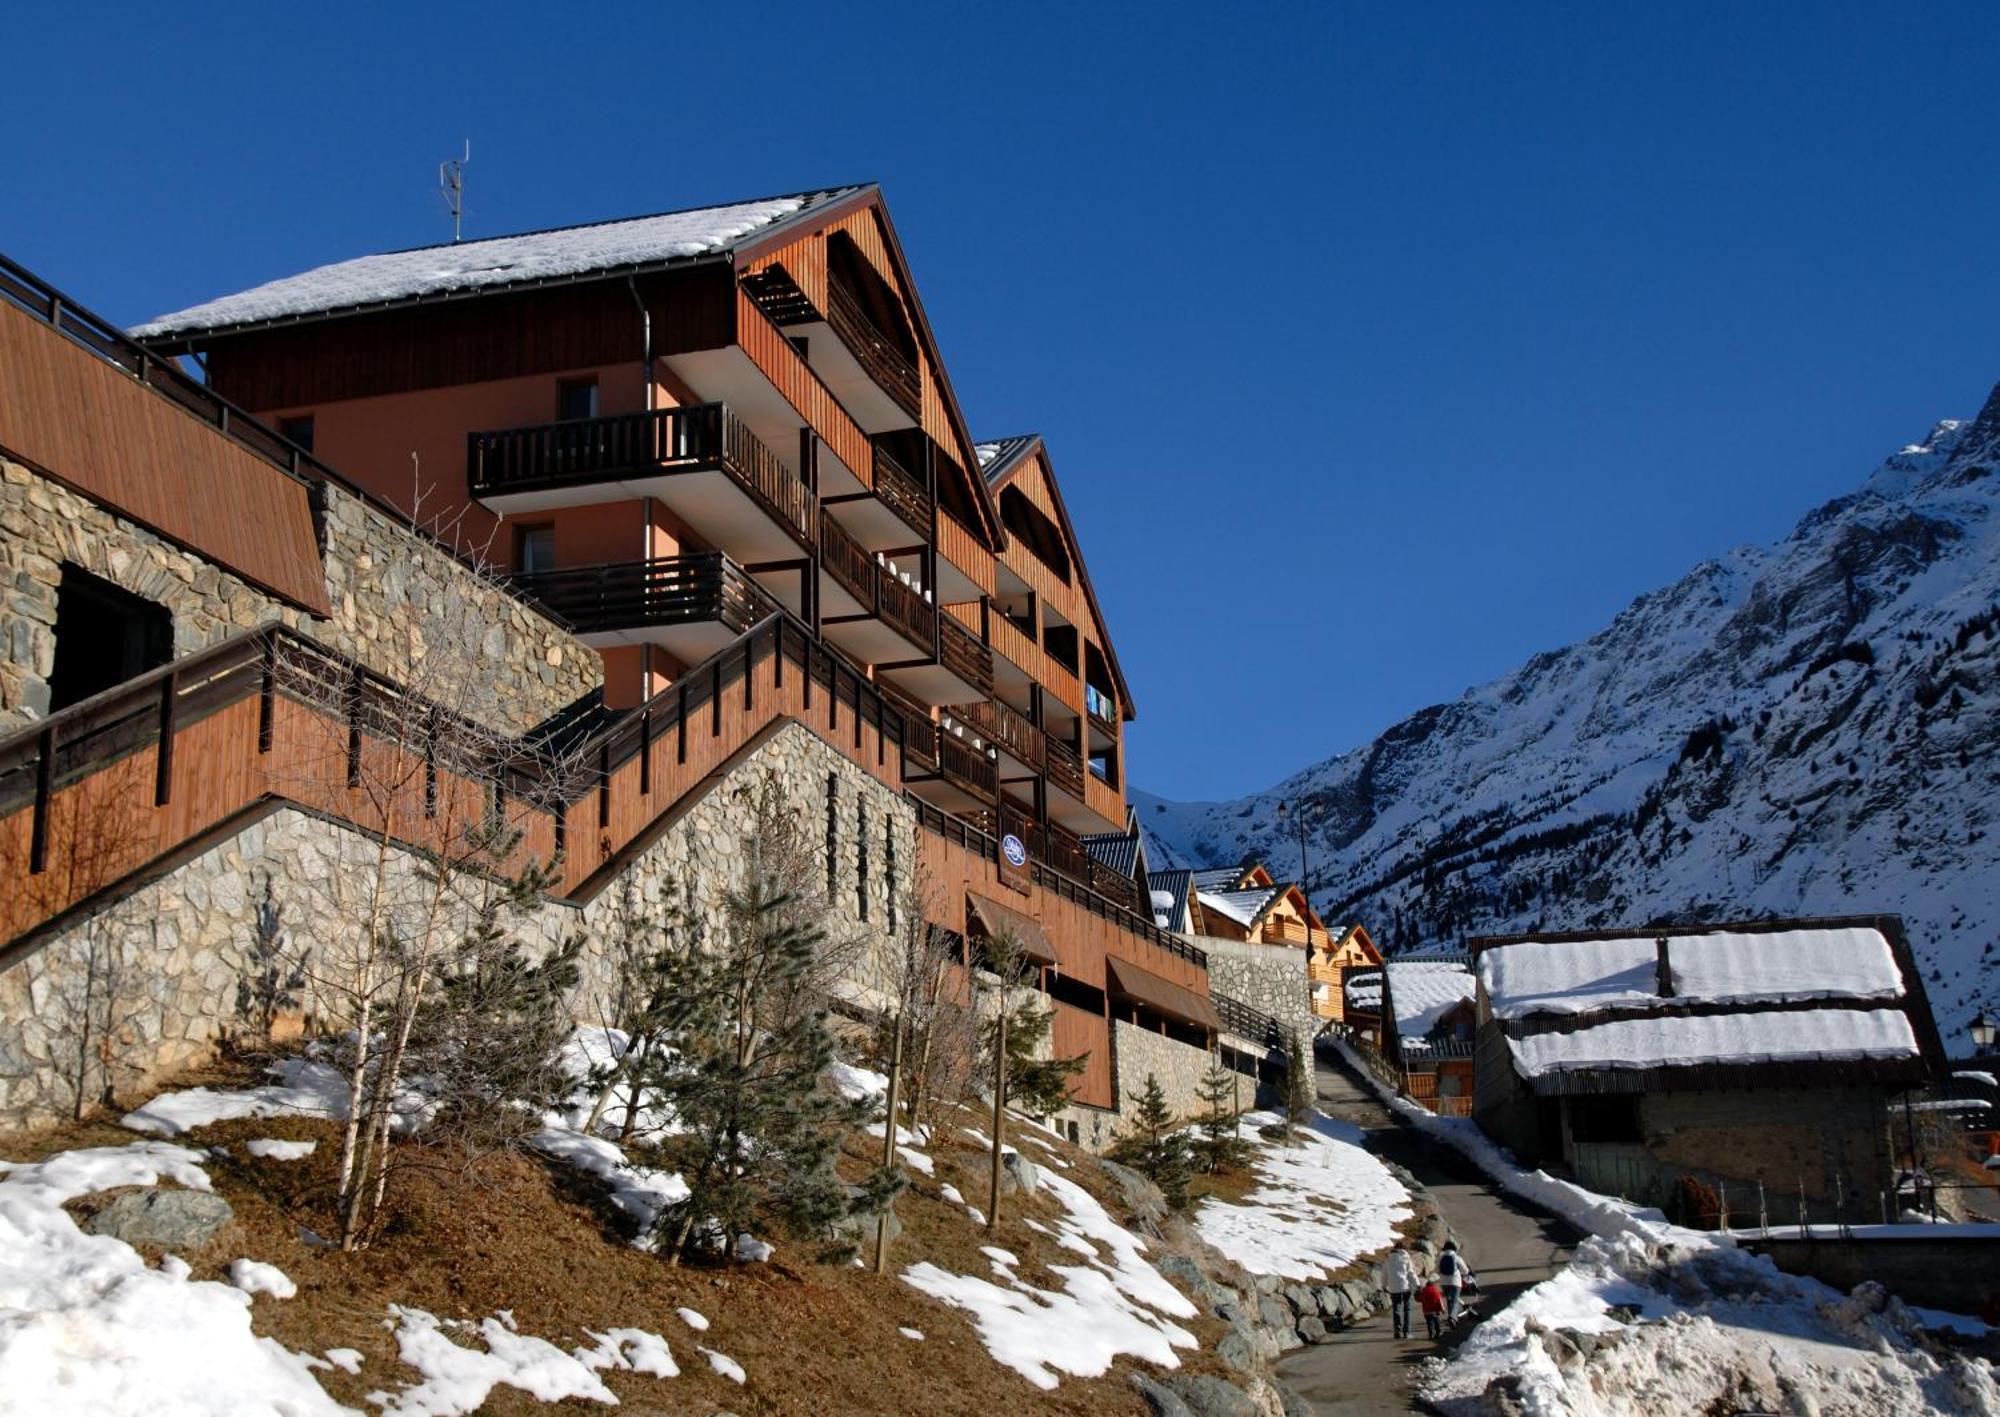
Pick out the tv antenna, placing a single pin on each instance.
(451, 186)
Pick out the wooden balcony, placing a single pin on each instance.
(1006, 728)
(1292, 932)
(1065, 768)
(690, 605)
(967, 768)
(920, 731)
(872, 349)
(965, 656)
(701, 460)
(899, 490)
(1102, 710)
(865, 600)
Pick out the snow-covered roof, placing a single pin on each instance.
(1170, 913)
(1423, 991)
(1692, 1040)
(997, 458)
(1218, 878)
(1241, 906)
(469, 266)
(1708, 967)
(1364, 990)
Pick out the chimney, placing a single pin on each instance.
(1663, 970)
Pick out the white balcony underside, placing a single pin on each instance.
(730, 376)
(710, 501)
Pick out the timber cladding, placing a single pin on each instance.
(91, 425)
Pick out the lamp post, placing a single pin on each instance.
(1301, 812)
(1983, 1029)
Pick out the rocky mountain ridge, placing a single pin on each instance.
(1811, 727)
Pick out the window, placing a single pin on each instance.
(1604, 1119)
(889, 865)
(298, 429)
(861, 859)
(576, 398)
(104, 636)
(832, 834)
(535, 548)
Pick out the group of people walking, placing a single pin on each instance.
(1441, 1298)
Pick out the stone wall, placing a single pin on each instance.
(397, 600)
(152, 981)
(1179, 1067)
(1271, 978)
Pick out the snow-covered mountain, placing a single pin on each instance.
(1806, 728)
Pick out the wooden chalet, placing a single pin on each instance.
(1345, 950)
(1247, 903)
(1728, 1056)
(1429, 1017)
(720, 447)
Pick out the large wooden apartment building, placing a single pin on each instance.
(719, 448)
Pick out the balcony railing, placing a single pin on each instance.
(901, 493)
(881, 592)
(965, 656)
(697, 438)
(873, 350)
(667, 590)
(1005, 726)
(1292, 932)
(967, 767)
(1065, 768)
(920, 733)
(1103, 711)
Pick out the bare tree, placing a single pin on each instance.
(442, 803)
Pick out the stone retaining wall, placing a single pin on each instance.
(229, 938)
(396, 599)
(1180, 1067)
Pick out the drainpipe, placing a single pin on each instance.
(645, 337)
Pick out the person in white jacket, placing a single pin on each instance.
(1399, 1280)
(1452, 1274)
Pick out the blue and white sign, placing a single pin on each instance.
(1013, 850)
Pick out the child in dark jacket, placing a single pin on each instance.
(1430, 1299)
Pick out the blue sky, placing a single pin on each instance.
(1378, 347)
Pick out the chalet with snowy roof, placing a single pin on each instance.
(1361, 1004)
(1429, 1017)
(1247, 903)
(1718, 1055)
(1330, 961)
(1173, 899)
(716, 463)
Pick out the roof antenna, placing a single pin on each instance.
(451, 186)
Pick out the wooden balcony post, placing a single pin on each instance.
(646, 751)
(163, 752)
(355, 688)
(603, 785)
(45, 781)
(267, 695)
(681, 723)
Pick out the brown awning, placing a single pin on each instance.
(1162, 995)
(989, 917)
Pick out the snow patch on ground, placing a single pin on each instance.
(256, 1277)
(634, 1350)
(915, 1335)
(458, 1379)
(695, 1321)
(348, 1360)
(726, 1365)
(270, 1149)
(305, 1088)
(1322, 1201)
(1717, 1328)
(86, 1326)
(1114, 1303)
(640, 1192)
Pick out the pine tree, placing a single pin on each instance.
(1219, 1148)
(1155, 1148)
(1037, 1086)
(759, 1134)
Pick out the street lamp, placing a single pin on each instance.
(1301, 812)
(1983, 1028)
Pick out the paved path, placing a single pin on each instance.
(1510, 1248)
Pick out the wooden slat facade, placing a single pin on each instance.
(789, 373)
(1077, 1031)
(90, 424)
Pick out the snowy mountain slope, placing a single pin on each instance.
(1810, 727)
